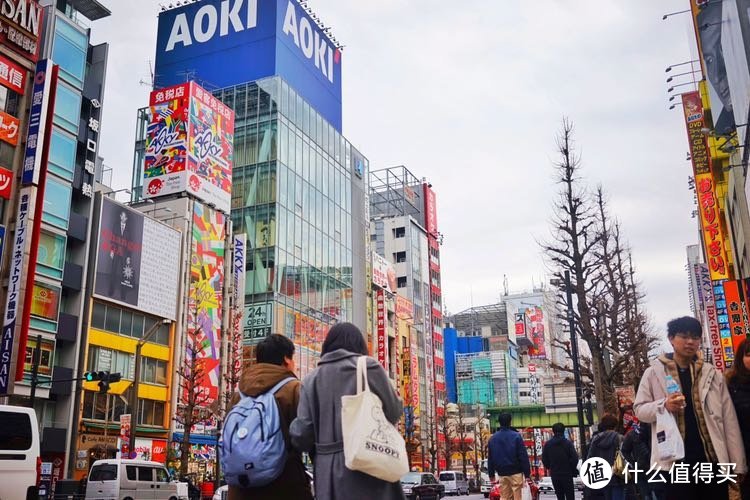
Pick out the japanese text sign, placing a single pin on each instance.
(381, 330)
(713, 236)
(40, 98)
(12, 75)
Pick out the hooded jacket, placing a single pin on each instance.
(293, 481)
(317, 429)
(560, 457)
(717, 420)
(605, 445)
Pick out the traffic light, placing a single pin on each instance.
(93, 376)
(105, 378)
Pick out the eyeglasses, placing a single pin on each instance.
(687, 336)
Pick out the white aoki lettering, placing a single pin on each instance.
(206, 21)
(312, 45)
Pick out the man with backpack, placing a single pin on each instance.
(253, 427)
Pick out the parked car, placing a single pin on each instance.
(20, 468)
(119, 479)
(422, 486)
(455, 482)
(545, 485)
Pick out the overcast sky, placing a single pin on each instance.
(470, 95)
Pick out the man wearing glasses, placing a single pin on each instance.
(694, 392)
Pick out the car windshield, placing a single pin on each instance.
(411, 478)
(446, 476)
(103, 472)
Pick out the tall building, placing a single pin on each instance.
(54, 207)
(403, 230)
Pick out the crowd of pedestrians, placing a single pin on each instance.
(711, 411)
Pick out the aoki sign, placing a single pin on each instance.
(230, 42)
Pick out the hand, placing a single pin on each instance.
(675, 402)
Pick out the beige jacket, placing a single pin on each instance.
(720, 417)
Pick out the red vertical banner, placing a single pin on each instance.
(735, 297)
(381, 331)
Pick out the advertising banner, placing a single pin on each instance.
(734, 294)
(6, 183)
(430, 211)
(189, 145)
(382, 334)
(521, 324)
(45, 302)
(383, 275)
(707, 19)
(239, 249)
(12, 76)
(712, 320)
(206, 297)
(415, 398)
(23, 230)
(692, 107)
(713, 237)
(214, 38)
(9, 126)
(125, 434)
(404, 308)
(21, 21)
(536, 316)
(257, 322)
(45, 85)
(722, 314)
(137, 264)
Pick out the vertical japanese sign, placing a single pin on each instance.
(734, 294)
(238, 302)
(711, 316)
(14, 287)
(722, 314)
(381, 330)
(40, 99)
(536, 317)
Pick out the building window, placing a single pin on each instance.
(401, 282)
(120, 321)
(69, 52)
(151, 412)
(67, 108)
(45, 363)
(51, 255)
(62, 154)
(56, 203)
(153, 371)
(399, 232)
(45, 306)
(399, 257)
(108, 360)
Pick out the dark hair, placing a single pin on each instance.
(273, 349)
(608, 423)
(558, 429)
(739, 372)
(345, 336)
(685, 324)
(505, 419)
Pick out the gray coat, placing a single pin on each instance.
(317, 428)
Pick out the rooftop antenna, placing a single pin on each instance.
(505, 285)
(149, 83)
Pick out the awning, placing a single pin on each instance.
(196, 438)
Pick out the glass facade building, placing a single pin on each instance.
(299, 194)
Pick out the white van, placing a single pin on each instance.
(455, 483)
(20, 463)
(119, 479)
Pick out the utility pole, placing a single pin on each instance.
(136, 379)
(576, 365)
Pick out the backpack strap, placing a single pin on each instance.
(281, 384)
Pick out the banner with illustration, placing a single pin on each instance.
(205, 299)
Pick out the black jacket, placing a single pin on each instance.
(740, 394)
(605, 445)
(636, 447)
(560, 457)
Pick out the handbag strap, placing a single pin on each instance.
(362, 374)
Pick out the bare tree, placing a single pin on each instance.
(587, 241)
(462, 446)
(446, 427)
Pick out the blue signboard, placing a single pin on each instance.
(220, 43)
(37, 122)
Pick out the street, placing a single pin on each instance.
(546, 496)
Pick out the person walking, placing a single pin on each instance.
(702, 408)
(738, 383)
(508, 459)
(636, 448)
(317, 428)
(275, 362)
(605, 445)
(560, 457)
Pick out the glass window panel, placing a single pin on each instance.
(67, 108)
(112, 321)
(51, 255)
(56, 203)
(161, 372)
(137, 330)
(298, 154)
(306, 162)
(62, 154)
(282, 185)
(69, 52)
(97, 315)
(126, 323)
(158, 418)
(284, 144)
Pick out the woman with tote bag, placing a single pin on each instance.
(317, 429)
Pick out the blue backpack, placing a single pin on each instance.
(252, 450)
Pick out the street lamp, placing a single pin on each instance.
(136, 379)
(576, 365)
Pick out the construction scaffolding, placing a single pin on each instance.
(396, 192)
(474, 320)
(486, 378)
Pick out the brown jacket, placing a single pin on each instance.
(293, 482)
(717, 423)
